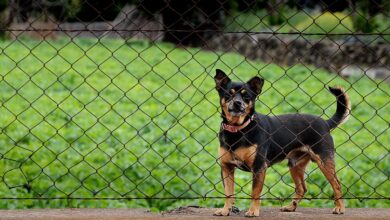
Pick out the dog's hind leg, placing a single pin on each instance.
(329, 170)
(298, 174)
(323, 154)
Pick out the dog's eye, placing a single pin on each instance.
(243, 92)
(232, 91)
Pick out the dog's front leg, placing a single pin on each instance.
(228, 183)
(257, 187)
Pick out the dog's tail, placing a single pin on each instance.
(343, 107)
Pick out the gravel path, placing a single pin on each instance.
(190, 213)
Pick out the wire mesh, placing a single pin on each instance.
(115, 101)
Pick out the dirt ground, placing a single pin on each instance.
(189, 213)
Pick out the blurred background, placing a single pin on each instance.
(112, 103)
(328, 16)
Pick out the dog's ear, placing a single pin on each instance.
(221, 79)
(256, 84)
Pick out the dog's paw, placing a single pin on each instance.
(252, 213)
(222, 212)
(288, 208)
(338, 210)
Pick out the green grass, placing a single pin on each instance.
(96, 118)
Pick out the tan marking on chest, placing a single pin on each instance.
(241, 155)
(224, 155)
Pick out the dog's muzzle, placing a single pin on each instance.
(236, 108)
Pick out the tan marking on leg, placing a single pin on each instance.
(329, 170)
(294, 153)
(257, 187)
(228, 180)
(298, 175)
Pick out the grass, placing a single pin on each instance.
(87, 118)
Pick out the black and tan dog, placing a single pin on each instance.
(252, 142)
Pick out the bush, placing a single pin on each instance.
(73, 8)
(363, 22)
(276, 16)
(330, 23)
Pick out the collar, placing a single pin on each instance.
(234, 128)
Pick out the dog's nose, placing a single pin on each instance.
(237, 104)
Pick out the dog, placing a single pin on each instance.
(252, 142)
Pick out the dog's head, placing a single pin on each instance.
(237, 99)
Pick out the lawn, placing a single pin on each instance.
(88, 118)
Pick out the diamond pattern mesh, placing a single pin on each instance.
(113, 104)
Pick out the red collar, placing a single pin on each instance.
(234, 128)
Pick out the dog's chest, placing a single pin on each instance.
(240, 140)
(242, 157)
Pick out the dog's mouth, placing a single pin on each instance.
(236, 113)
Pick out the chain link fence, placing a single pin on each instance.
(113, 103)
